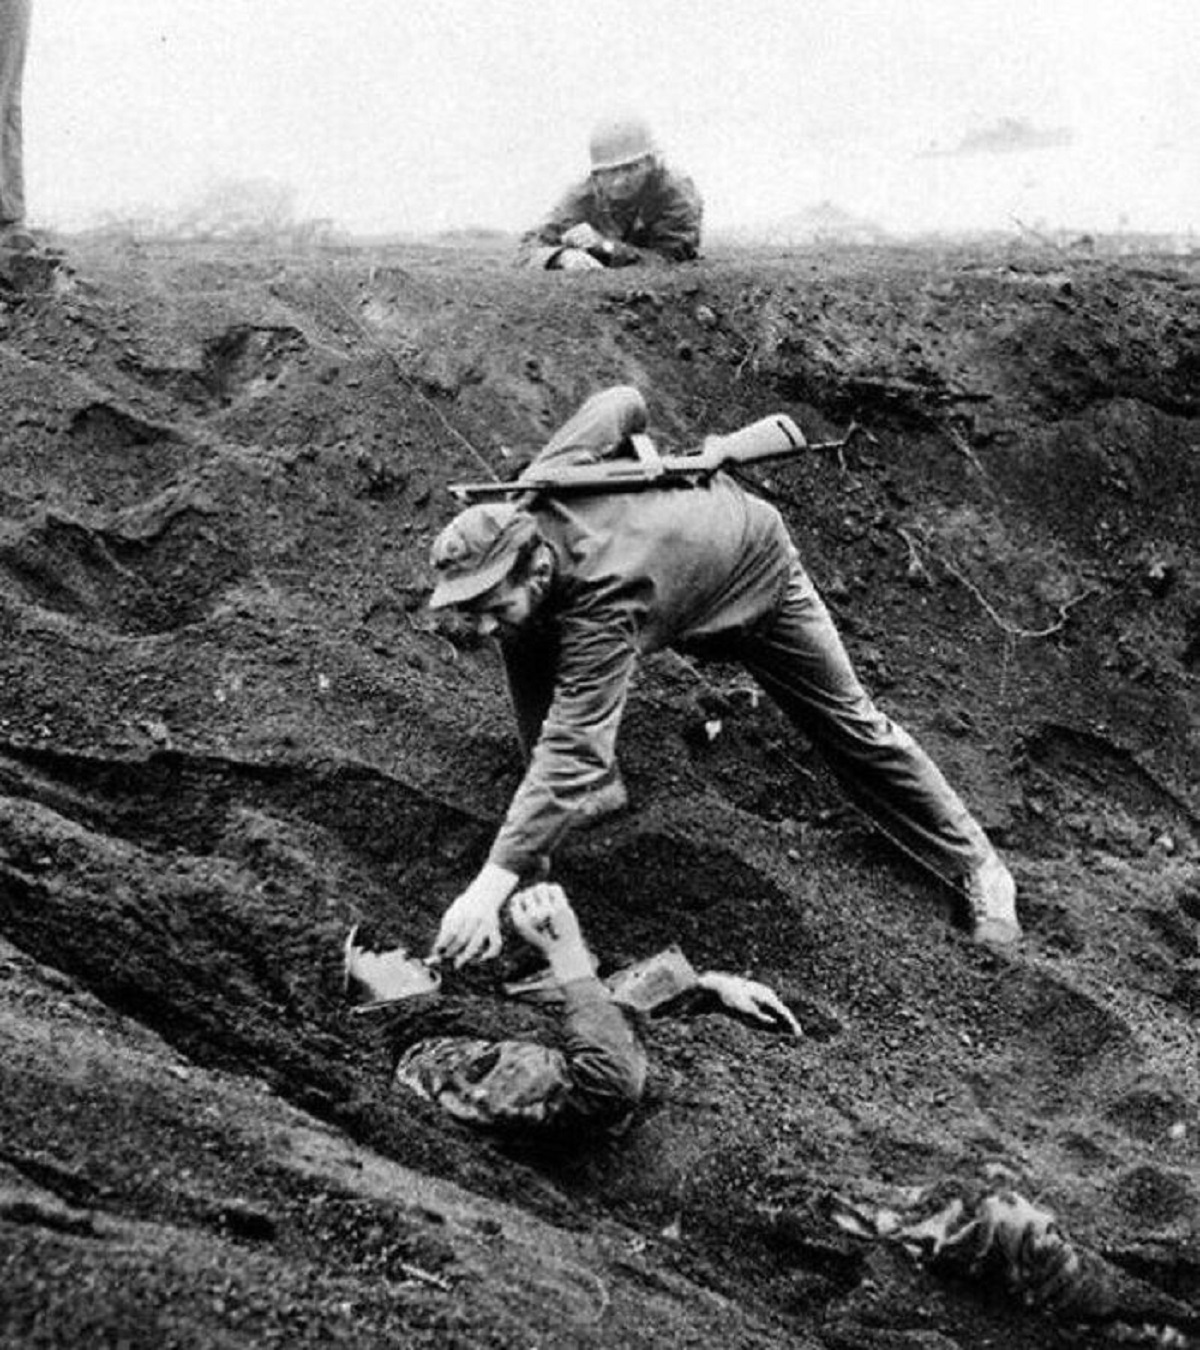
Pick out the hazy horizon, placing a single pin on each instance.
(424, 116)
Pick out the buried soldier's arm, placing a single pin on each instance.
(658, 982)
(606, 1064)
(750, 999)
(543, 916)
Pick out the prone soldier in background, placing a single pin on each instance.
(629, 205)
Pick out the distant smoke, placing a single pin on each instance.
(227, 208)
(1010, 135)
(234, 206)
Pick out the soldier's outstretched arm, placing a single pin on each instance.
(576, 746)
(470, 927)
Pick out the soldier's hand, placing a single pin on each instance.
(543, 916)
(470, 928)
(576, 260)
(751, 999)
(583, 236)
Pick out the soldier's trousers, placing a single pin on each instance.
(14, 37)
(799, 660)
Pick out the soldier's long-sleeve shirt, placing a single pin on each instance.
(665, 218)
(594, 1080)
(688, 568)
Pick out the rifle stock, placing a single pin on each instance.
(769, 438)
(773, 437)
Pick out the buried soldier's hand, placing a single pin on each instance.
(750, 999)
(543, 916)
(470, 928)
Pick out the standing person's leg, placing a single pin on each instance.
(800, 661)
(14, 38)
(599, 425)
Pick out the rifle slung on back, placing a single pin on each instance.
(770, 438)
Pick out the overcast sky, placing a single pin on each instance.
(435, 114)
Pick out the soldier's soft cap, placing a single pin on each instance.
(476, 551)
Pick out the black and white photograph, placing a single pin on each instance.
(599, 675)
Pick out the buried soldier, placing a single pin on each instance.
(588, 1087)
(596, 1079)
(578, 589)
(630, 204)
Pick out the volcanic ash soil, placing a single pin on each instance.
(230, 730)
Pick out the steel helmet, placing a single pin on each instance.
(620, 140)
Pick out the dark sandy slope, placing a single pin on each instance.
(229, 730)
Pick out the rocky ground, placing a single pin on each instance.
(229, 731)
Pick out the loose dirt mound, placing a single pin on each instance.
(229, 730)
